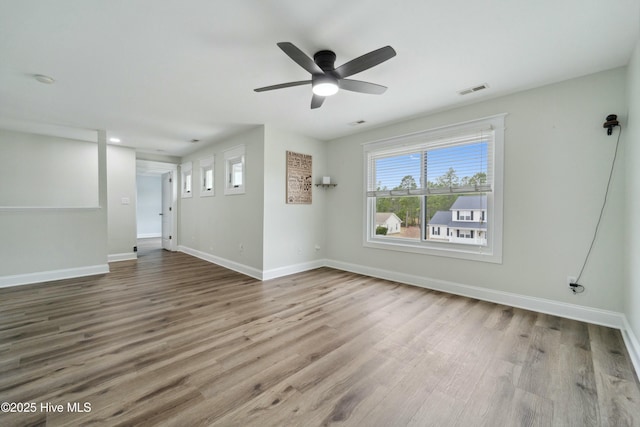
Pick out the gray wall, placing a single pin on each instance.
(121, 185)
(292, 232)
(219, 225)
(47, 171)
(277, 238)
(631, 154)
(557, 160)
(61, 221)
(53, 236)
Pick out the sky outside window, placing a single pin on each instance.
(466, 160)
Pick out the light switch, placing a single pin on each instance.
(125, 200)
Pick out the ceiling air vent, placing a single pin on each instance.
(473, 89)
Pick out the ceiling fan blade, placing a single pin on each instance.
(283, 85)
(300, 57)
(365, 61)
(316, 101)
(362, 87)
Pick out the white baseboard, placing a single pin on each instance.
(632, 344)
(571, 311)
(292, 269)
(47, 276)
(251, 271)
(148, 235)
(122, 257)
(231, 265)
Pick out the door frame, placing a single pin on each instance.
(150, 167)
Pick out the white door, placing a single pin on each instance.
(167, 210)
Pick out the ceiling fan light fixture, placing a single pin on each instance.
(324, 85)
(325, 89)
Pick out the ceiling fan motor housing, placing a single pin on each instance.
(325, 59)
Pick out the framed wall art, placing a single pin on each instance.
(299, 182)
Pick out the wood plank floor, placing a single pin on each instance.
(173, 340)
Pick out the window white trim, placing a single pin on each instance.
(492, 252)
(235, 170)
(207, 177)
(186, 180)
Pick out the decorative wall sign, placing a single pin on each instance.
(299, 182)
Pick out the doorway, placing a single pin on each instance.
(167, 212)
(156, 217)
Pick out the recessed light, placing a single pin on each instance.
(44, 79)
(114, 140)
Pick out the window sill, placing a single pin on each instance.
(476, 253)
(233, 191)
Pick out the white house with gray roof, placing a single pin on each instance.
(465, 222)
(390, 221)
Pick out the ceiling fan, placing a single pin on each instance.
(326, 79)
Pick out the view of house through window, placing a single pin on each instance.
(436, 191)
(455, 218)
(451, 216)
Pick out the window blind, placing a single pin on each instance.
(450, 164)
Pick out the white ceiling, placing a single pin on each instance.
(158, 73)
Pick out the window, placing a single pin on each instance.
(234, 170)
(186, 171)
(465, 234)
(465, 215)
(443, 187)
(206, 177)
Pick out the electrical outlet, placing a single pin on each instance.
(570, 280)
